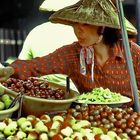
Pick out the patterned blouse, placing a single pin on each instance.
(66, 60)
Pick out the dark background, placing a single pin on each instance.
(18, 17)
(25, 14)
(21, 14)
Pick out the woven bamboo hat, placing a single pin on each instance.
(55, 5)
(93, 12)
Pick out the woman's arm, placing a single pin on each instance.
(5, 73)
(50, 64)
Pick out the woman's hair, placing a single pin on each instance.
(110, 35)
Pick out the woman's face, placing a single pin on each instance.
(86, 34)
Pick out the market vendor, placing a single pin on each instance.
(96, 60)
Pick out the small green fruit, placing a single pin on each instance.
(21, 120)
(2, 106)
(5, 97)
(7, 103)
(26, 126)
(6, 100)
(9, 130)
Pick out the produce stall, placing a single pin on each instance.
(39, 110)
(75, 118)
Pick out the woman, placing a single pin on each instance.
(97, 59)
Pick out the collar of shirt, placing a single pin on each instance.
(116, 51)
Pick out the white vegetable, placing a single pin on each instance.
(81, 124)
(67, 131)
(90, 136)
(77, 135)
(55, 128)
(85, 131)
(43, 136)
(21, 135)
(97, 130)
(112, 135)
(51, 133)
(55, 125)
(105, 137)
(2, 126)
(45, 118)
(10, 138)
(58, 118)
(40, 127)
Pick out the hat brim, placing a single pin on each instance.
(77, 13)
(55, 5)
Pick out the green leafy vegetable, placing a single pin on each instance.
(98, 95)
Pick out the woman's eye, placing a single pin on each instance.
(85, 24)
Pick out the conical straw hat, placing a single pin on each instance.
(93, 12)
(55, 5)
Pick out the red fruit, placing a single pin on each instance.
(78, 115)
(85, 115)
(118, 124)
(105, 130)
(49, 124)
(131, 125)
(119, 130)
(57, 137)
(123, 126)
(118, 115)
(71, 111)
(97, 137)
(103, 114)
(91, 107)
(97, 117)
(64, 124)
(85, 138)
(130, 119)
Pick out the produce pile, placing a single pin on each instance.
(80, 122)
(35, 88)
(111, 119)
(55, 128)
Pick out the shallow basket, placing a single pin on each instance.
(39, 106)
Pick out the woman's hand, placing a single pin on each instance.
(5, 73)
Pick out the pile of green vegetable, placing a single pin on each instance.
(99, 95)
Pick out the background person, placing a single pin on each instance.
(48, 37)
